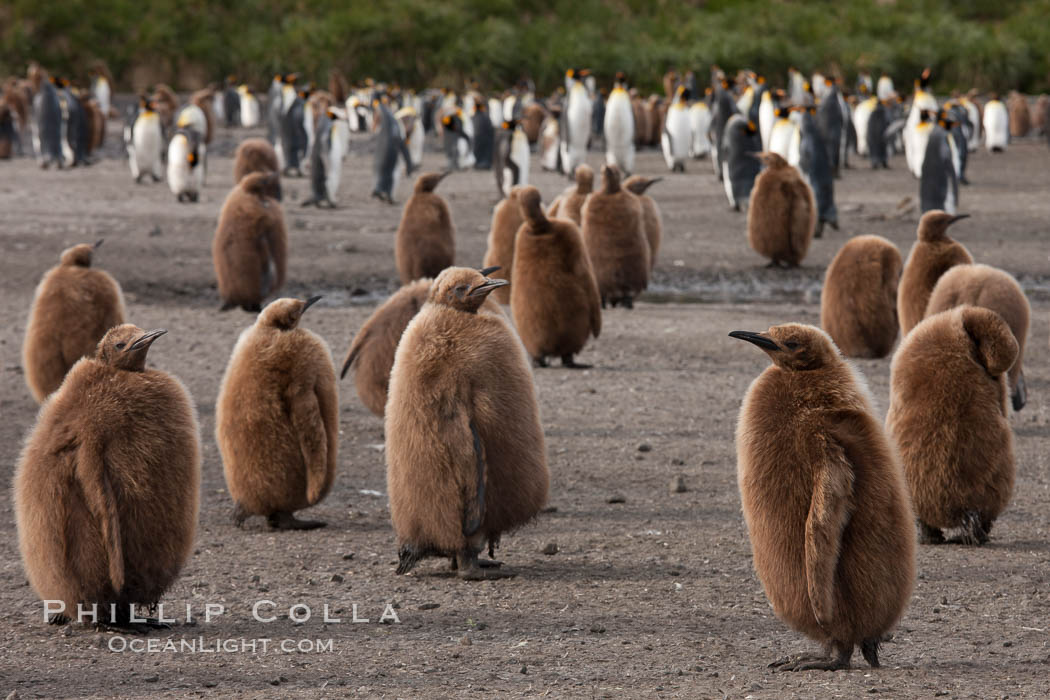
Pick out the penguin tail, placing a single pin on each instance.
(102, 503)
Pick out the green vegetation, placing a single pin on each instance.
(990, 44)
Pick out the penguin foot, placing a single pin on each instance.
(156, 178)
(141, 626)
(870, 649)
(309, 202)
(834, 224)
(57, 619)
(964, 181)
(540, 361)
(627, 302)
(973, 532)
(239, 515)
(470, 568)
(252, 308)
(286, 521)
(812, 662)
(569, 363)
(929, 534)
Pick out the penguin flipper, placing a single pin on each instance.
(894, 128)
(829, 513)
(474, 507)
(355, 349)
(305, 412)
(101, 502)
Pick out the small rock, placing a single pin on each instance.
(151, 679)
(155, 231)
(616, 498)
(264, 589)
(336, 578)
(481, 625)
(282, 679)
(1008, 644)
(13, 695)
(255, 579)
(678, 462)
(348, 556)
(524, 668)
(598, 629)
(275, 681)
(210, 684)
(67, 631)
(550, 509)
(645, 447)
(429, 606)
(678, 484)
(550, 548)
(464, 641)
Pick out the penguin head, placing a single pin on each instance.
(125, 346)
(262, 185)
(794, 347)
(751, 127)
(532, 209)
(284, 314)
(450, 122)
(79, 255)
(638, 184)
(924, 79)
(463, 289)
(428, 182)
(933, 225)
(509, 124)
(584, 176)
(773, 161)
(610, 179)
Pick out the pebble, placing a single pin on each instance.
(465, 641)
(524, 668)
(598, 629)
(645, 447)
(616, 498)
(429, 606)
(210, 684)
(13, 695)
(151, 679)
(550, 548)
(678, 484)
(336, 578)
(348, 556)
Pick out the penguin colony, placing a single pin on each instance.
(442, 364)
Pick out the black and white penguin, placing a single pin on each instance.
(876, 139)
(575, 127)
(186, 164)
(484, 136)
(511, 164)
(294, 141)
(598, 119)
(618, 127)
(939, 182)
(231, 103)
(961, 132)
(326, 160)
(144, 141)
(832, 129)
(815, 164)
(47, 127)
(452, 132)
(722, 108)
(996, 125)
(389, 148)
(740, 142)
(676, 136)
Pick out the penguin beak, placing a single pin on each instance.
(486, 287)
(755, 338)
(310, 302)
(1020, 394)
(145, 340)
(486, 271)
(444, 175)
(958, 217)
(98, 243)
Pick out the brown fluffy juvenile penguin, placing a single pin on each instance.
(425, 243)
(569, 204)
(1020, 115)
(73, 307)
(554, 299)
(506, 220)
(858, 304)
(254, 156)
(824, 498)
(615, 241)
(782, 215)
(931, 256)
(106, 490)
(372, 351)
(203, 99)
(465, 455)
(989, 288)
(948, 418)
(652, 223)
(250, 248)
(277, 418)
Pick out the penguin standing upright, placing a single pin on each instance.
(619, 127)
(741, 142)
(512, 157)
(832, 128)
(274, 108)
(47, 127)
(389, 147)
(326, 160)
(996, 125)
(598, 99)
(675, 140)
(231, 103)
(884, 88)
(484, 135)
(722, 109)
(452, 132)
(917, 129)
(249, 107)
(876, 142)
(102, 86)
(766, 116)
(815, 165)
(550, 144)
(861, 116)
(294, 138)
(939, 181)
(576, 122)
(700, 126)
(144, 141)
(186, 165)
(415, 135)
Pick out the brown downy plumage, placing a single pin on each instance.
(465, 455)
(782, 215)
(931, 256)
(554, 299)
(989, 288)
(425, 243)
(1020, 115)
(254, 156)
(73, 307)
(203, 99)
(858, 304)
(641, 119)
(250, 249)
(94, 120)
(948, 417)
(532, 121)
(106, 489)
(569, 204)
(372, 351)
(167, 104)
(657, 111)
(652, 225)
(338, 86)
(824, 498)
(506, 220)
(279, 455)
(615, 242)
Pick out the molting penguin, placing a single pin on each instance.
(499, 256)
(740, 142)
(512, 157)
(619, 127)
(254, 155)
(457, 478)
(652, 224)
